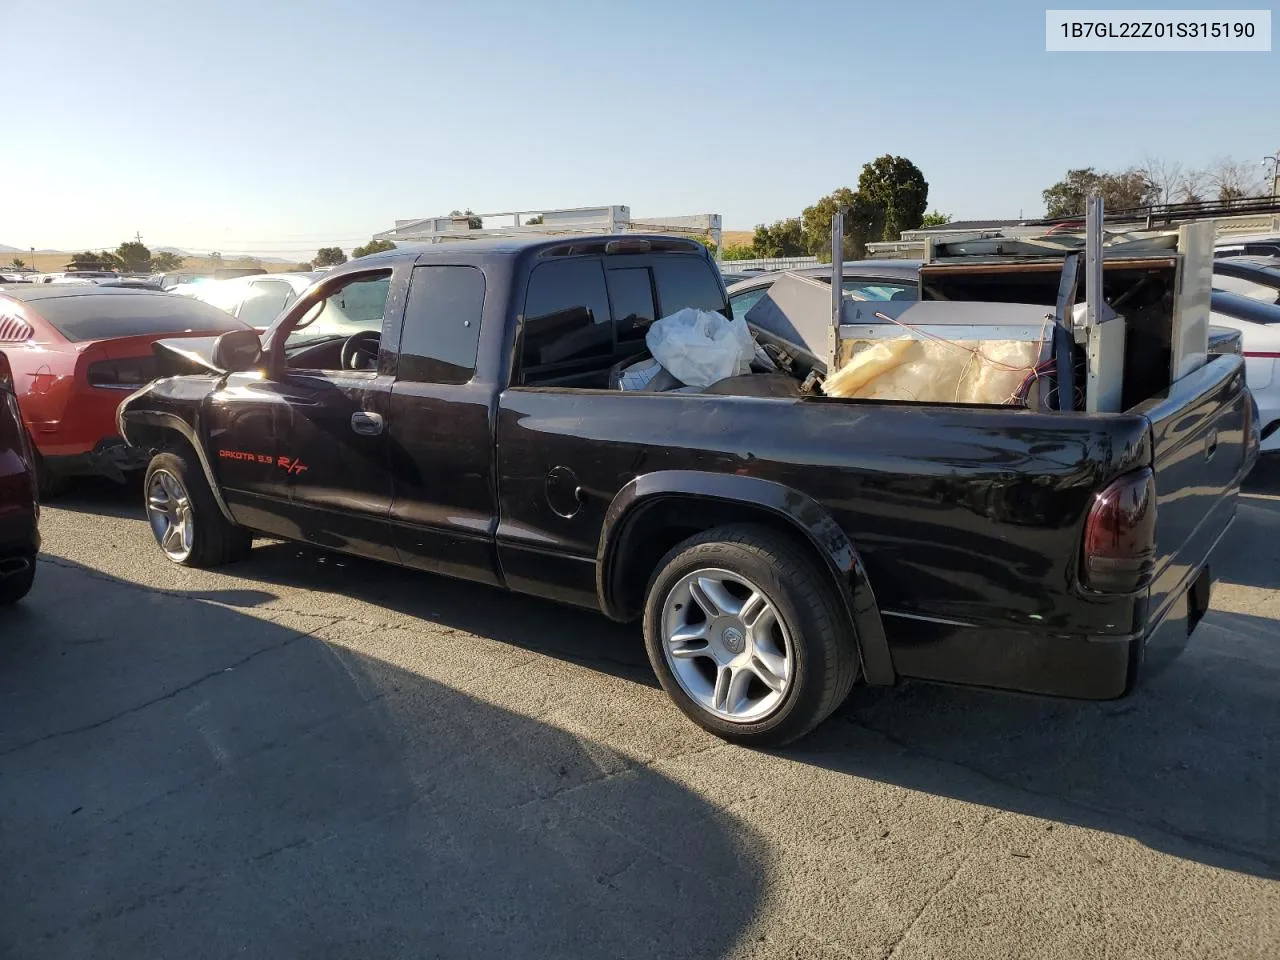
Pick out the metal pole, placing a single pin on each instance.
(1093, 262)
(837, 269)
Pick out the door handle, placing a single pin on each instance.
(366, 424)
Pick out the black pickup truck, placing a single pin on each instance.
(448, 408)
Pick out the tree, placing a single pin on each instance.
(893, 194)
(373, 246)
(739, 251)
(215, 258)
(935, 219)
(816, 226)
(1165, 177)
(18, 264)
(473, 222)
(533, 221)
(88, 260)
(165, 261)
(134, 256)
(1232, 180)
(783, 238)
(329, 257)
(1126, 190)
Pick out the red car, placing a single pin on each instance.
(19, 511)
(75, 353)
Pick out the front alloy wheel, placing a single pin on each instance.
(726, 645)
(170, 516)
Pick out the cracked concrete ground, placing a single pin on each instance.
(308, 755)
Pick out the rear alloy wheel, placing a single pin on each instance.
(184, 516)
(748, 636)
(726, 645)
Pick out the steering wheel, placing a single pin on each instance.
(360, 350)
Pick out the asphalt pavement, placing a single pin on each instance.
(305, 755)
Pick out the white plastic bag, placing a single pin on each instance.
(699, 347)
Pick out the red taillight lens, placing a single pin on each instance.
(1120, 535)
(127, 374)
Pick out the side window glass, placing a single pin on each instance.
(687, 281)
(631, 291)
(566, 314)
(441, 325)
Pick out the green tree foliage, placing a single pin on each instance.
(373, 246)
(329, 257)
(816, 223)
(783, 238)
(892, 195)
(473, 222)
(1119, 191)
(18, 264)
(739, 251)
(134, 256)
(935, 219)
(164, 261)
(88, 260)
(533, 221)
(215, 258)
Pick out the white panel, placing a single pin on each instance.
(1106, 367)
(1190, 340)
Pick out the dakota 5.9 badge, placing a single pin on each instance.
(292, 465)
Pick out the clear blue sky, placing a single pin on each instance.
(276, 126)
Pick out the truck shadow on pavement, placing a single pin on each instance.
(183, 779)
(1186, 764)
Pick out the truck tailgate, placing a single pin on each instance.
(1200, 454)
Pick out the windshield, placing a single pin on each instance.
(107, 316)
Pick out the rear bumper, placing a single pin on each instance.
(111, 457)
(1079, 667)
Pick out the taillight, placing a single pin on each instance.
(127, 374)
(1120, 535)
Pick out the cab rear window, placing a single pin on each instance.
(107, 316)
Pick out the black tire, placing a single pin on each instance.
(824, 643)
(17, 585)
(214, 540)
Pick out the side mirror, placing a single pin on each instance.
(237, 350)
